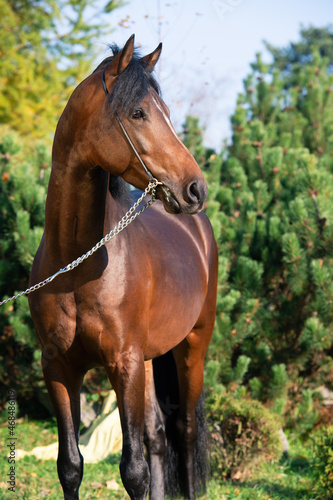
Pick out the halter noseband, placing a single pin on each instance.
(148, 172)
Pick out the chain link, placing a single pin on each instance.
(127, 219)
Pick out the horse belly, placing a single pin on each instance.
(175, 310)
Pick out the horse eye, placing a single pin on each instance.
(138, 114)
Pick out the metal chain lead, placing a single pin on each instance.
(129, 217)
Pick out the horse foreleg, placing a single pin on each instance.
(189, 357)
(154, 436)
(64, 389)
(128, 380)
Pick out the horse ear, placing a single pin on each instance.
(122, 59)
(151, 59)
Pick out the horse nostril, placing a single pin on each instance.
(194, 193)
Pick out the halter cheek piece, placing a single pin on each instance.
(149, 174)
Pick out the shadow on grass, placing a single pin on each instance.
(288, 493)
(295, 482)
(113, 459)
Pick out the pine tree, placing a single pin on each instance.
(24, 174)
(300, 53)
(273, 217)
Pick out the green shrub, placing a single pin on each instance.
(270, 206)
(323, 461)
(305, 412)
(244, 434)
(24, 173)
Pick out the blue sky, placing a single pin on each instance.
(208, 46)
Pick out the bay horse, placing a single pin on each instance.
(148, 292)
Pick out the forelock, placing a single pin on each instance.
(132, 85)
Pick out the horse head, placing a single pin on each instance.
(133, 100)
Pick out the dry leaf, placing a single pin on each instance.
(112, 485)
(44, 492)
(96, 486)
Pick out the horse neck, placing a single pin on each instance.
(77, 203)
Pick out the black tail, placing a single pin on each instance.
(166, 385)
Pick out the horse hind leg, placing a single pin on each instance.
(189, 357)
(64, 387)
(154, 436)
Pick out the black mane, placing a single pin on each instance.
(132, 85)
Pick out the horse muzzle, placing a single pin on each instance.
(190, 200)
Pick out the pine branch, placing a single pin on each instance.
(322, 221)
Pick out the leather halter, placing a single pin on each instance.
(148, 172)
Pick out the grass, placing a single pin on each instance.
(292, 478)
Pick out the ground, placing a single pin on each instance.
(292, 478)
